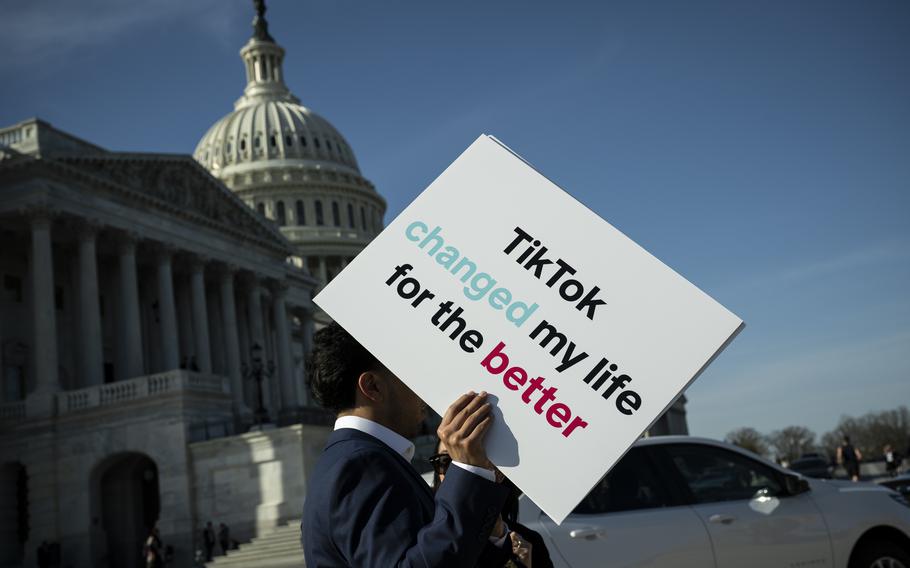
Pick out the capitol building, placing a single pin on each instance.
(292, 166)
(155, 316)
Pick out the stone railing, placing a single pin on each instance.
(12, 411)
(140, 388)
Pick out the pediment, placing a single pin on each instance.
(183, 187)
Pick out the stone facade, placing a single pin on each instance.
(255, 482)
(133, 289)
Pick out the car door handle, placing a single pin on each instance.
(721, 519)
(588, 534)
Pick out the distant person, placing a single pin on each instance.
(54, 555)
(44, 555)
(224, 537)
(208, 541)
(152, 550)
(849, 457)
(892, 460)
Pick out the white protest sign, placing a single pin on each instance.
(496, 279)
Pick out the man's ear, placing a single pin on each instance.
(371, 386)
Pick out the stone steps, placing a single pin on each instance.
(279, 548)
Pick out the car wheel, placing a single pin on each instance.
(881, 554)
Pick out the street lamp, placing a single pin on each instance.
(256, 371)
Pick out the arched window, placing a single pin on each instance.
(289, 140)
(301, 213)
(227, 147)
(256, 142)
(243, 144)
(363, 218)
(261, 208)
(281, 214)
(319, 220)
(350, 215)
(336, 216)
(273, 141)
(316, 142)
(303, 140)
(328, 145)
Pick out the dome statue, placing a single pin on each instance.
(291, 164)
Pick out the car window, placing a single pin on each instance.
(715, 474)
(631, 484)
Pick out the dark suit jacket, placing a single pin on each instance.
(366, 506)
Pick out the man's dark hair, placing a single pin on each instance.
(336, 361)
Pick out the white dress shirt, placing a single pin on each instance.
(399, 443)
(405, 449)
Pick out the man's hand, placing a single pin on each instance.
(463, 428)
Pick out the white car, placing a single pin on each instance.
(679, 501)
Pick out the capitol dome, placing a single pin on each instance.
(292, 165)
(272, 130)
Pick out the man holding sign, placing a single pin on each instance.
(496, 279)
(366, 505)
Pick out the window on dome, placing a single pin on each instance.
(363, 218)
(289, 140)
(303, 141)
(328, 145)
(243, 144)
(301, 213)
(227, 147)
(256, 142)
(319, 220)
(273, 141)
(336, 216)
(281, 214)
(316, 142)
(261, 208)
(350, 215)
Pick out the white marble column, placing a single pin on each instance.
(283, 348)
(257, 335)
(200, 317)
(323, 271)
(243, 337)
(254, 313)
(306, 328)
(231, 343)
(92, 369)
(216, 331)
(306, 323)
(187, 341)
(167, 312)
(45, 317)
(129, 309)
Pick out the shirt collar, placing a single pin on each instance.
(397, 442)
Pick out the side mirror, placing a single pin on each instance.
(795, 484)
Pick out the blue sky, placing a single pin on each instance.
(760, 149)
